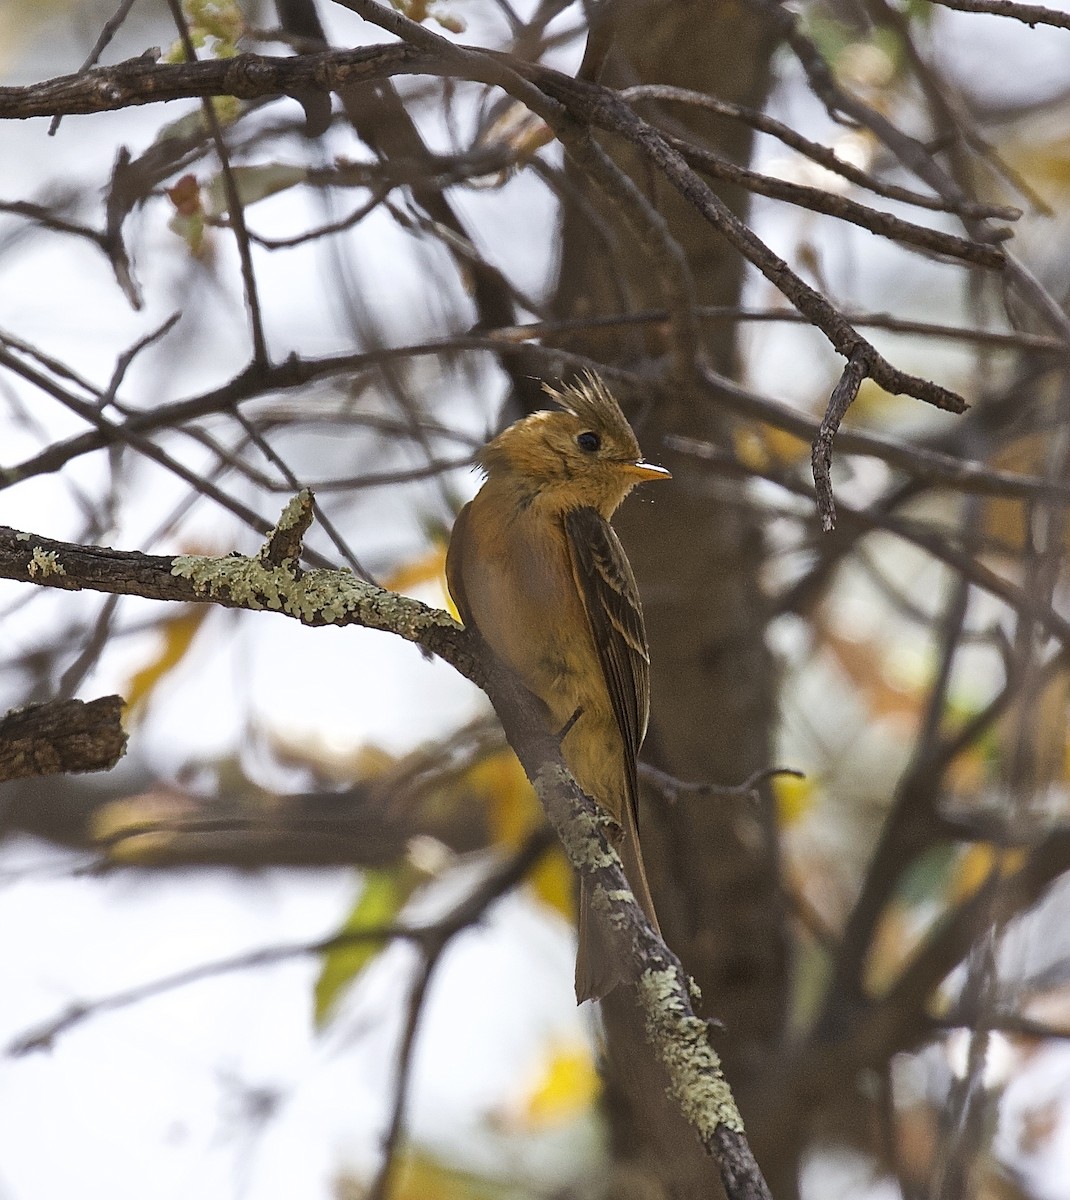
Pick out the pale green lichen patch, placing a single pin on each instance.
(295, 512)
(22, 537)
(44, 563)
(579, 832)
(315, 597)
(318, 596)
(609, 904)
(681, 1041)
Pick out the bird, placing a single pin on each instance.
(536, 570)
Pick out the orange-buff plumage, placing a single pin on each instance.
(536, 569)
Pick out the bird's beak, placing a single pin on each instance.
(646, 471)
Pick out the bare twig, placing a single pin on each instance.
(913, 154)
(821, 154)
(433, 937)
(605, 110)
(906, 233)
(931, 467)
(1031, 14)
(674, 790)
(124, 361)
(843, 396)
(47, 218)
(433, 944)
(118, 433)
(548, 93)
(110, 29)
(235, 208)
(933, 542)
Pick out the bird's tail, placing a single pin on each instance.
(598, 965)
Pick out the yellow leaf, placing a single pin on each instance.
(178, 634)
(564, 1088)
(569, 1086)
(513, 811)
(512, 806)
(794, 797)
(137, 829)
(554, 883)
(763, 446)
(428, 568)
(977, 865)
(421, 1177)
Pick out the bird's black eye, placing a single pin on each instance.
(589, 441)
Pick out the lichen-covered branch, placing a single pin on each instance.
(319, 597)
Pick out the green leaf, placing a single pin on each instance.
(253, 183)
(381, 899)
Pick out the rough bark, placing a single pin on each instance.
(60, 737)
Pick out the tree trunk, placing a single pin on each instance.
(696, 550)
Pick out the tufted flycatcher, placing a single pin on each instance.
(534, 567)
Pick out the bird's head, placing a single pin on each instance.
(585, 454)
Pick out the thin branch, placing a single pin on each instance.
(113, 433)
(825, 156)
(235, 208)
(995, 338)
(931, 467)
(548, 93)
(44, 216)
(110, 29)
(272, 455)
(1031, 14)
(861, 520)
(124, 361)
(379, 1189)
(604, 109)
(433, 936)
(377, 197)
(883, 224)
(466, 914)
(843, 396)
(927, 465)
(673, 789)
(913, 154)
(1001, 1020)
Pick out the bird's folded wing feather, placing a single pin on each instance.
(605, 581)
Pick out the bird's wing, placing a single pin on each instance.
(605, 581)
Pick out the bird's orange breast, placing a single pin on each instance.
(521, 596)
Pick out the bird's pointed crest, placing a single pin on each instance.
(588, 399)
